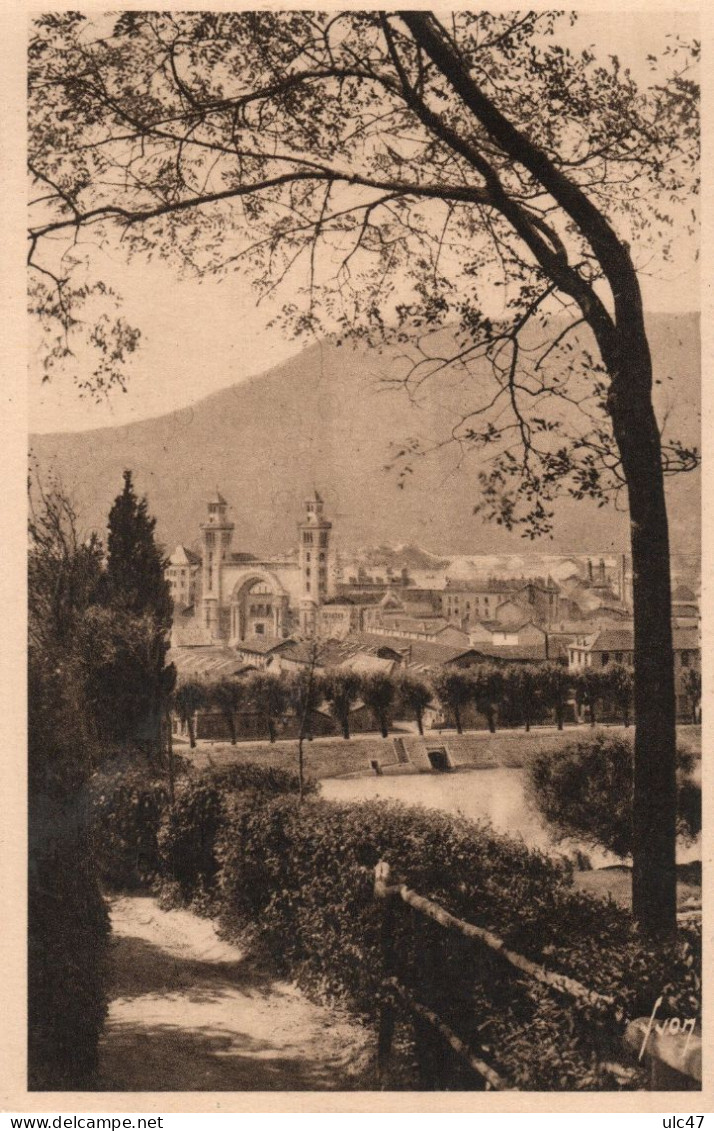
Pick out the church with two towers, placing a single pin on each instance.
(226, 596)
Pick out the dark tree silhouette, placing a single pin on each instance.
(619, 684)
(488, 692)
(135, 565)
(136, 626)
(378, 692)
(590, 686)
(524, 687)
(555, 684)
(414, 697)
(269, 695)
(398, 168)
(455, 690)
(190, 697)
(342, 690)
(68, 924)
(305, 690)
(584, 791)
(228, 695)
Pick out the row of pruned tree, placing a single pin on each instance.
(521, 694)
(272, 697)
(514, 694)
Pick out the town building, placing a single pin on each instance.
(506, 600)
(183, 574)
(616, 646)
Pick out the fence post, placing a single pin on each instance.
(386, 1009)
(429, 1047)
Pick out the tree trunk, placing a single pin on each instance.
(271, 727)
(559, 716)
(301, 769)
(655, 791)
(457, 719)
(384, 726)
(488, 711)
(419, 722)
(191, 733)
(346, 726)
(170, 757)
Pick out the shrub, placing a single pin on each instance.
(585, 789)
(127, 804)
(201, 809)
(68, 925)
(67, 949)
(82, 657)
(300, 880)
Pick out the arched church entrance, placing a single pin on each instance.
(258, 608)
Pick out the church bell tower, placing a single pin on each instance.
(315, 560)
(217, 535)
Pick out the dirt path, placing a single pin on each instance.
(189, 1012)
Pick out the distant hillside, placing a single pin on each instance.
(402, 555)
(323, 420)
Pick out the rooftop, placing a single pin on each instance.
(431, 624)
(263, 645)
(512, 651)
(183, 556)
(683, 593)
(686, 638)
(208, 661)
(420, 654)
(613, 640)
(622, 640)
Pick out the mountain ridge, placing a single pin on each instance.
(322, 419)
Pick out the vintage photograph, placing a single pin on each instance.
(364, 582)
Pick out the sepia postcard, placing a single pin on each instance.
(355, 668)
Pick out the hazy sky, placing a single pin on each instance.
(198, 338)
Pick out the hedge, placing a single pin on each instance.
(127, 806)
(299, 881)
(203, 806)
(68, 924)
(67, 954)
(296, 882)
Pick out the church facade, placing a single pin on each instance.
(239, 597)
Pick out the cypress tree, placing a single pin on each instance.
(138, 603)
(135, 566)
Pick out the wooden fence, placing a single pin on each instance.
(391, 896)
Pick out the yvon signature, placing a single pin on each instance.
(672, 1025)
